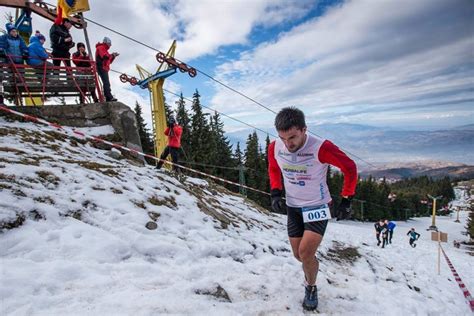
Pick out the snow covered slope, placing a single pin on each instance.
(74, 242)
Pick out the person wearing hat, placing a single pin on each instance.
(103, 59)
(81, 59)
(13, 45)
(61, 42)
(174, 132)
(37, 53)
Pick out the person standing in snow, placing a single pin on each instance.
(173, 131)
(384, 233)
(391, 226)
(378, 230)
(303, 161)
(413, 237)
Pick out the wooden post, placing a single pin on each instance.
(439, 252)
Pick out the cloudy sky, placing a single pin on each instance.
(404, 64)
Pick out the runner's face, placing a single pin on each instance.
(293, 138)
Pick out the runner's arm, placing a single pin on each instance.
(331, 154)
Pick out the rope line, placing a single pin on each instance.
(461, 284)
(67, 132)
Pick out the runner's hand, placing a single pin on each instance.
(278, 205)
(344, 210)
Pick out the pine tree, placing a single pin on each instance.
(145, 137)
(256, 167)
(470, 224)
(238, 155)
(168, 110)
(200, 133)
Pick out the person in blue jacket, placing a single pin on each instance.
(413, 237)
(12, 44)
(37, 53)
(390, 226)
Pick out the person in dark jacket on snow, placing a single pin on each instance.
(61, 42)
(379, 227)
(103, 59)
(12, 44)
(413, 237)
(173, 132)
(37, 53)
(81, 59)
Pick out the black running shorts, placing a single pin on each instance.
(296, 226)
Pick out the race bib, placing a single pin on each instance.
(316, 213)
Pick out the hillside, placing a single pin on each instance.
(74, 242)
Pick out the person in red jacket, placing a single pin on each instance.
(103, 59)
(173, 131)
(303, 161)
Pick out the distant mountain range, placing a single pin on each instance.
(454, 172)
(381, 146)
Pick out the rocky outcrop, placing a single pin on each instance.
(117, 114)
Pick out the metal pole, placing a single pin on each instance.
(457, 216)
(86, 36)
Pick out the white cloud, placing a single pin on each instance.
(360, 53)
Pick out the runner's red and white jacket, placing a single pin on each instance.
(304, 172)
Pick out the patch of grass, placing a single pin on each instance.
(116, 191)
(48, 177)
(6, 132)
(105, 169)
(12, 150)
(17, 222)
(77, 214)
(168, 201)
(44, 199)
(19, 192)
(154, 215)
(339, 253)
(5, 186)
(52, 136)
(97, 188)
(139, 204)
(7, 177)
(218, 293)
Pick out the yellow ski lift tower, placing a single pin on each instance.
(154, 83)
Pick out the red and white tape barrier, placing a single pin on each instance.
(67, 130)
(461, 284)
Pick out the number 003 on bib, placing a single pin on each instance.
(316, 213)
